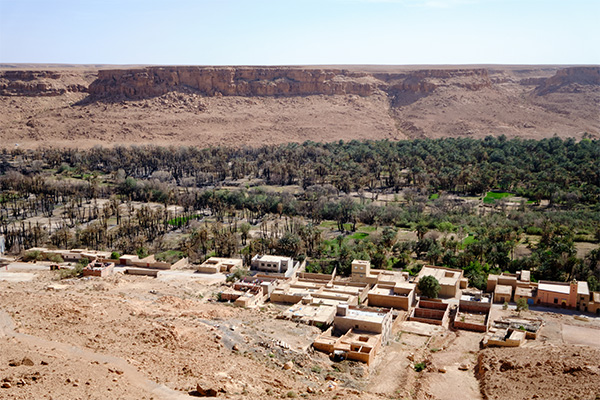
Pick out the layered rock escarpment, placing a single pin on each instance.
(230, 81)
(278, 104)
(568, 80)
(427, 80)
(277, 81)
(36, 83)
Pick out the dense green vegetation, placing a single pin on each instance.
(462, 203)
(429, 286)
(491, 197)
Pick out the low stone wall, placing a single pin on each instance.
(142, 271)
(389, 301)
(469, 326)
(180, 264)
(430, 312)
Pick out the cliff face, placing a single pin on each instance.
(37, 83)
(204, 106)
(248, 81)
(568, 79)
(278, 81)
(230, 81)
(428, 80)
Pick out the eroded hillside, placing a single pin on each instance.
(257, 105)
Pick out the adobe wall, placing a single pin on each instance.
(344, 324)
(429, 313)
(470, 326)
(387, 301)
(180, 264)
(547, 298)
(438, 305)
(280, 297)
(475, 306)
(426, 320)
(363, 357)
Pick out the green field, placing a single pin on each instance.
(469, 239)
(491, 197)
(182, 220)
(358, 235)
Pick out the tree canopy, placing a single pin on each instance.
(429, 286)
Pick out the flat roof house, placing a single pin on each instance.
(356, 334)
(215, 265)
(400, 295)
(451, 280)
(563, 294)
(274, 264)
(502, 293)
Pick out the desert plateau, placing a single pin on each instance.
(61, 105)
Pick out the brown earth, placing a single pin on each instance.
(132, 337)
(89, 105)
(562, 372)
(140, 338)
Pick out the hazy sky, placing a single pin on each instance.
(279, 32)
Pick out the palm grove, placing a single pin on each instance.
(329, 203)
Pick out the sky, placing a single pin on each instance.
(300, 32)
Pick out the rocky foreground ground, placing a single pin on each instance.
(141, 338)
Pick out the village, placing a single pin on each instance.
(357, 315)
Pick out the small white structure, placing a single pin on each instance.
(267, 263)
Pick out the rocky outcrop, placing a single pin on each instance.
(427, 80)
(230, 81)
(569, 80)
(277, 81)
(36, 83)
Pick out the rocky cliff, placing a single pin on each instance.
(569, 80)
(38, 83)
(230, 81)
(236, 106)
(427, 80)
(277, 81)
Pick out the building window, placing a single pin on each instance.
(555, 300)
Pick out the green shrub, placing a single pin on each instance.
(522, 305)
(55, 258)
(83, 262)
(170, 256)
(316, 369)
(236, 275)
(75, 272)
(533, 230)
(420, 366)
(584, 238)
(115, 255)
(34, 255)
(142, 252)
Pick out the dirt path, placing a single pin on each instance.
(133, 376)
(587, 336)
(390, 375)
(459, 348)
